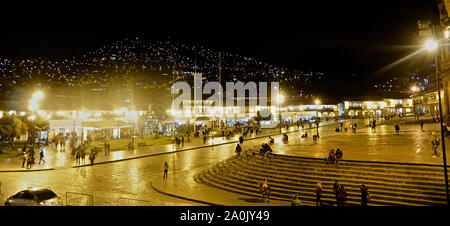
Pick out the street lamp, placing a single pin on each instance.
(34, 106)
(432, 46)
(414, 88)
(280, 101)
(317, 102)
(32, 118)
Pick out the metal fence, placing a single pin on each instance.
(79, 199)
(132, 202)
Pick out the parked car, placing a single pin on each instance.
(34, 197)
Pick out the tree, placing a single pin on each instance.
(11, 127)
(36, 125)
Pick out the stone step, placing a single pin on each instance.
(251, 192)
(315, 172)
(345, 171)
(309, 195)
(224, 183)
(259, 176)
(313, 180)
(344, 166)
(200, 178)
(389, 183)
(379, 165)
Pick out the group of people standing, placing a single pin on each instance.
(340, 194)
(28, 158)
(179, 141)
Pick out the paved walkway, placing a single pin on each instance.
(62, 159)
(412, 145)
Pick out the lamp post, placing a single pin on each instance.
(34, 106)
(432, 46)
(280, 101)
(317, 102)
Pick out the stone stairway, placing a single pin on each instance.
(390, 184)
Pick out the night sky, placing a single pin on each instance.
(350, 41)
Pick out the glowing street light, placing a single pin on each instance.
(33, 102)
(280, 101)
(317, 102)
(414, 88)
(280, 98)
(38, 95)
(430, 45)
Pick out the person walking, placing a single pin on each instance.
(78, 157)
(296, 201)
(109, 148)
(238, 150)
(29, 161)
(41, 156)
(182, 141)
(365, 196)
(241, 140)
(397, 129)
(129, 145)
(24, 158)
(166, 169)
(318, 194)
(341, 195)
(421, 125)
(265, 190)
(83, 157)
(435, 143)
(92, 157)
(204, 138)
(335, 188)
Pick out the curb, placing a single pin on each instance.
(184, 198)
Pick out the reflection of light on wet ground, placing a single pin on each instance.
(117, 154)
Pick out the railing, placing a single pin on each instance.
(132, 202)
(79, 199)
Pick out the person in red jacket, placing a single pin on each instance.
(331, 157)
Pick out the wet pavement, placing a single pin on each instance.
(412, 145)
(133, 178)
(59, 158)
(108, 182)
